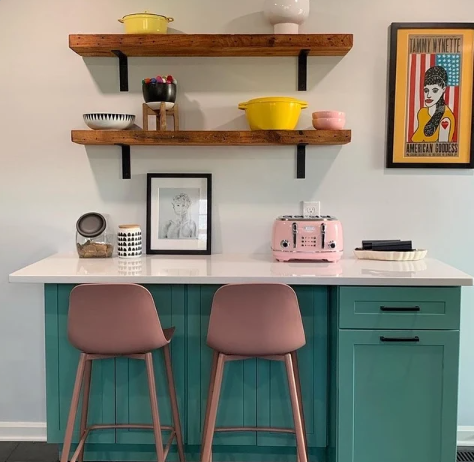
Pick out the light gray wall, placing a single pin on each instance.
(46, 182)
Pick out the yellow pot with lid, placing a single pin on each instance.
(146, 23)
(273, 113)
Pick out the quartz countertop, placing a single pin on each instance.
(228, 268)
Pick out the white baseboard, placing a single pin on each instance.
(22, 431)
(465, 436)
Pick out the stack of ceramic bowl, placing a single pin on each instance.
(329, 120)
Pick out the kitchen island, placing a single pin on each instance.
(379, 371)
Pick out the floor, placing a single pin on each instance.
(28, 452)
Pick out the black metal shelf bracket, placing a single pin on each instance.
(301, 161)
(123, 68)
(126, 162)
(303, 70)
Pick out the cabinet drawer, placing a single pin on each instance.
(399, 307)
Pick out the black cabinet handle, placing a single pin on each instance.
(400, 339)
(400, 308)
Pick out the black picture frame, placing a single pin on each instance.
(392, 80)
(203, 176)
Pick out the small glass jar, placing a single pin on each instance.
(92, 238)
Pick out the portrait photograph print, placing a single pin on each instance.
(179, 208)
(430, 122)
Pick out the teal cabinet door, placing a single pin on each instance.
(133, 401)
(61, 365)
(273, 400)
(238, 397)
(396, 400)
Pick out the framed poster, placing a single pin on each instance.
(430, 123)
(179, 208)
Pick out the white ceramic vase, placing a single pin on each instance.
(286, 16)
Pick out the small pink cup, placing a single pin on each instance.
(329, 115)
(329, 123)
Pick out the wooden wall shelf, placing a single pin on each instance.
(127, 138)
(124, 46)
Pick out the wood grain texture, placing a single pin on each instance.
(133, 45)
(210, 138)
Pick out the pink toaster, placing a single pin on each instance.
(307, 238)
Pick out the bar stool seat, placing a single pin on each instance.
(255, 321)
(118, 320)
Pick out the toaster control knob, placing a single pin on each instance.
(285, 244)
(332, 245)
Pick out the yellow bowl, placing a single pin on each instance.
(273, 113)
(146, 23)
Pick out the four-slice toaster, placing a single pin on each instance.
(296, 237)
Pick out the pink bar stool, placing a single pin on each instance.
(255, 321)
(118, 320)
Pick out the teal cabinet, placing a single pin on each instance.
(365, 399)
(396, 401)
(273, 400)
(132, 398)
(61, 364)
(399, 307)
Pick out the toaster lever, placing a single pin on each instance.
(323, 235)
(295, 232)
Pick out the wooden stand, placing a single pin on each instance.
(161, 115)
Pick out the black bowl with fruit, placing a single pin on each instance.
(160, 89)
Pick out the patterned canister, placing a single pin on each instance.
(129, 241)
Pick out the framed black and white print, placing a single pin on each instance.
(179, 214)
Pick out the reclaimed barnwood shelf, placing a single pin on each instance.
(124, 46)
(127, 138)
(211, 138)
(185, 45)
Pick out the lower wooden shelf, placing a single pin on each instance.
(127, 138)
(211, 138)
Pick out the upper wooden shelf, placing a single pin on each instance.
(124, 46)
(210, 138)
(132, 45)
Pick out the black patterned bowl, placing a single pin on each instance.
(102, 121)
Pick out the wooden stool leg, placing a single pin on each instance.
(73, 410)
(174, 403)
(296, 370)
(154, 408)
(209, 394)
(85, 404)
(214, 403)
(163, 116)
(300, 440)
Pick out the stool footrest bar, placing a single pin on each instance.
(255, 429)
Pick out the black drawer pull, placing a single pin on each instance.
(400, 308)
(399, 339)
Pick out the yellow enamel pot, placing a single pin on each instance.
(273, 113)
(146, 23)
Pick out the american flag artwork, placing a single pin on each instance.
(433, 97)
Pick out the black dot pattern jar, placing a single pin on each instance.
(129, 241)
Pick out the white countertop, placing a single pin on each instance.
(222, 269)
